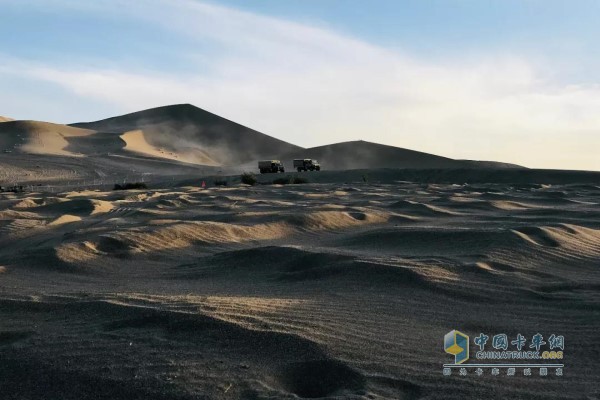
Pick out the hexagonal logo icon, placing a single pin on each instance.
(457, 344)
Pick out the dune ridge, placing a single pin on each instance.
(185, 145)
(180, 127)
(187, 134)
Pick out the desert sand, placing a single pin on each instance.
(280, 291)
(343, 287)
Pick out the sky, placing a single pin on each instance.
(506, 80)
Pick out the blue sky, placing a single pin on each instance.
(439, 27)
(466, 79)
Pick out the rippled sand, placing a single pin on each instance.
(317, 290)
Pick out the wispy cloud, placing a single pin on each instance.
(311, 85)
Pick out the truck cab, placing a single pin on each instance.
(307, 164)
(270, 166)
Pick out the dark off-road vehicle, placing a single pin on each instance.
(270, 167)
(307, 164)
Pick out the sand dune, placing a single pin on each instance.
(65, 219)
(35, 137)
(183, 141)
(330, 290)
(419, 209)
(189, 130)
(170, 234)
(5, 119)
(187, 133)
(135, 141)
(363, 154)
(76, 206)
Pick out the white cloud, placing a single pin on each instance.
(312, 86)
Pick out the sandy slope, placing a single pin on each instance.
(5, 119)
(35, 137)
(184, 128)
(362, 154)
(179, 140)
(321, 290)
(136, 142)
(183, 131)
(37, 153)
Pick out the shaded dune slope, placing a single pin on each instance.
(185, 128)
(362, 154)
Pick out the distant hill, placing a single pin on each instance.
(361, 154)
(193, 134)
(5, 119)
(490, 164)
(186, 134)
